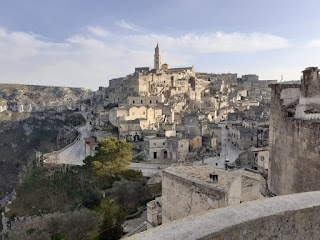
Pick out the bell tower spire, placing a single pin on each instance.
(157, 58)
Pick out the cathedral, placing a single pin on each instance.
(161, 80)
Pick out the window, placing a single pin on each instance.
(163, 143)
(141, 101)
(155, 155)
(154, 144)
(133, 102)
(150, 101)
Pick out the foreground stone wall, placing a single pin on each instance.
(294, 148)
(290, 217)
(188, 190)
(188, 196)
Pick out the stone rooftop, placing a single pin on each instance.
(200, 175)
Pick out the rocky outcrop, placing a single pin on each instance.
(32, 98)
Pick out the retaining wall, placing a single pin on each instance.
(290, 217)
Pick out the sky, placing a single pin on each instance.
(81, 43)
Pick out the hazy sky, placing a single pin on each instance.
(85, 43)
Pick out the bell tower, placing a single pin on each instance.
(157, 58)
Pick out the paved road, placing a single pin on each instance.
(228, 151)
(149, 169)
(74, 154)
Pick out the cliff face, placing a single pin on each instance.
(32, 98)
(31, 129)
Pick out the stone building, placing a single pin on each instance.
(188, 190)
(130, 130)
(154, 213)
(195, 142)
(145, 100)
(151, 115)
(161, 80)
(90, 146)
(157, 58)
(155, 148)
(195, 124)
(250, 78)
(166, 148)
(308, 107)
(294, 164)
(241, 137)
(263, 166)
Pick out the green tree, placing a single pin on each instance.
(113, 157)
(130, 194)
(113, 218)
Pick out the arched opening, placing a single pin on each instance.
(165, 154)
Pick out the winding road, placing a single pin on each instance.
(74, 154)
(228, 151)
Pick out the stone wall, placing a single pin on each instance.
(294, 148)
(189, 196)
(291, 217)
(189, 190)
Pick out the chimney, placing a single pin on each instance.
(214, 177)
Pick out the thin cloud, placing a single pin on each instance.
(89, 60)
(314, 43)
(217, 42)
(98, 31)
(127, 25)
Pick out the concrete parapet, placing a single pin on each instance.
(291, 217)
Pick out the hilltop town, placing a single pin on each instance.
(196, 142)
(172, 114)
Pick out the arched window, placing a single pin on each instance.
(165, 154)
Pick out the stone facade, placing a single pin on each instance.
(196, 125)
(189, 190)
(152, 115)
(195, 142)
(166, 148)
(241, 137)
(154, 212)
(294, 164)
(145, 101)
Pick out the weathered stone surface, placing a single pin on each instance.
(294, 148)
(188, 190)
(291, 217)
